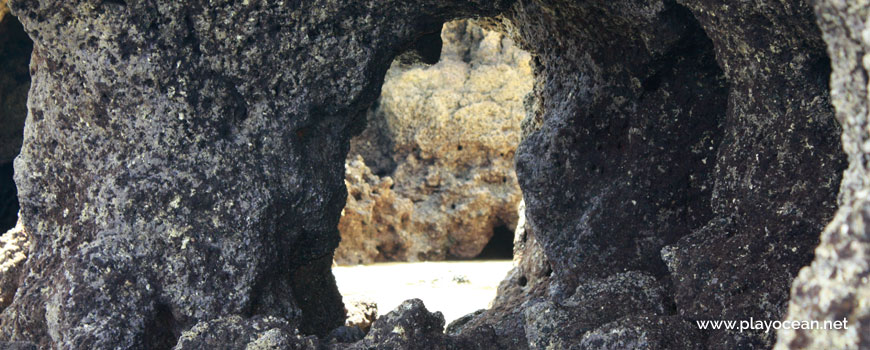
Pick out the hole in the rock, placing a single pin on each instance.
(162, 331)
(522, 281)
(437, 157)
(500, 246)
(8, 198)
(15, 49)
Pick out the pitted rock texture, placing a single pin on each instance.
(694, 142)
(643, 333)
(412, 327)
(183, 160)
(15, 48)
(375, 220)
(777, 171)
(561, 324)
(440, 145)
(834, 287)
(235, 332)
(182, 166)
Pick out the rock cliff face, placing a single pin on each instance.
(181, 178)
(442, 139)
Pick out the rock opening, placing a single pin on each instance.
(500, 246)
(8, 198)
(431, 178)
(15, 49)
(679, 159)
(434, 168)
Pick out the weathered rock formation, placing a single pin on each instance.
(15, 48)
(181, 178)
(694, 142)
(834, 287)
(183, 162)
(441, 146)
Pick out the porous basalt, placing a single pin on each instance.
(182, 171)
(183, 161)
(692, 141)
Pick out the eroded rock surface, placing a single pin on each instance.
(834, 287)
(440, 145)
(560, 324)
(235, 332)
(694, 142)
(183, 165)
(183, 161)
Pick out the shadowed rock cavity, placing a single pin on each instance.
(181, 174)
(15, 48)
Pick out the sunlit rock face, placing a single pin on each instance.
(440, 147)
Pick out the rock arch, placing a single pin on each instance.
(182, 169)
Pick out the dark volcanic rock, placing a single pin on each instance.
(643, 333)
(693, 141)
(560, 324)
(183, 160)
(834, 287)
(777, 169)
(181, 172)
(617, 159)
(409, 327)
(17, 345)
(235, 332)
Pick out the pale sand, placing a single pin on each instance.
(454, 288)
